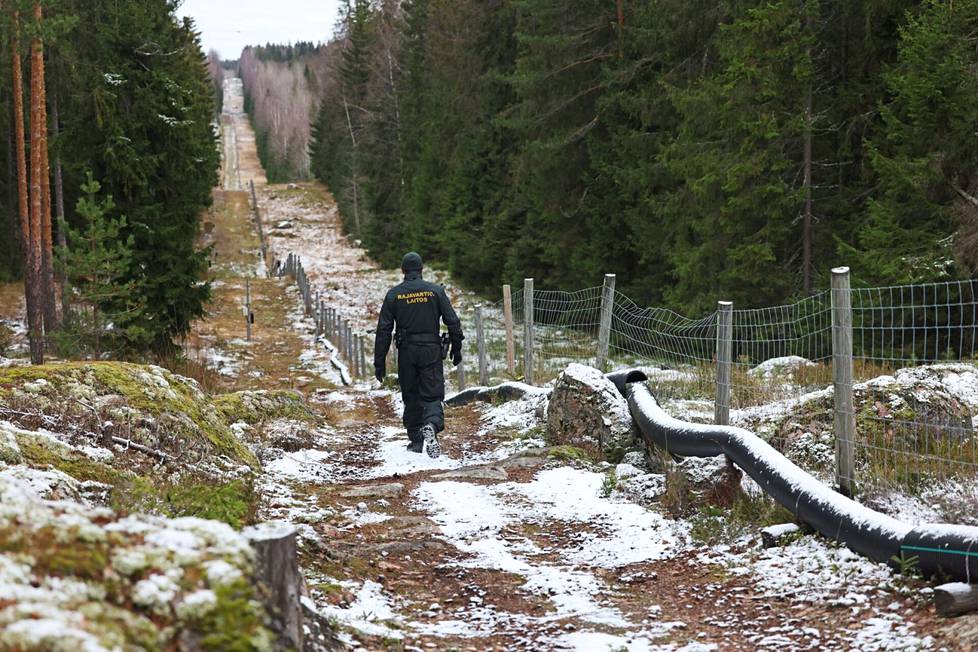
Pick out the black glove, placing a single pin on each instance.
(457, 354)
(380, 370)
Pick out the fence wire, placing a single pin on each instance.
(914, 348)
(914, 423)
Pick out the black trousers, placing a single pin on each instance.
(421, 373)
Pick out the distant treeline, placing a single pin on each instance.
(127, 100)
(283, 88)
(700, 150)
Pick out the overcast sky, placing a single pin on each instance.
(229, 25)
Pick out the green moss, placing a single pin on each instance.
(256, 407)
(569, 454)
(57, 553)
(174, 402)
(236, 623)
(41, 452)
(233, 502)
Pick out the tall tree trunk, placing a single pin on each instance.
(35, 320)
(806, 236)
(50, 304)
(59, 200)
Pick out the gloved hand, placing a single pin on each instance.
(457, 354)
(380, 370)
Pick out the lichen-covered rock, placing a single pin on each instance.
(928, 411)
(146, 404)
(255, 407)
(74, 577)
(587, 411)
(784, 368)
(9, 449)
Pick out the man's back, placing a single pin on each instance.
(417, 306)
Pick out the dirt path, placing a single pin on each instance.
(501, 543)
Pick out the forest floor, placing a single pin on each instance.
(501, 543)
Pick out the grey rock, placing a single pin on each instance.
(390, 490)
(587, 411)
(475, 473)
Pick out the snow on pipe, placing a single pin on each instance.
(941, 550)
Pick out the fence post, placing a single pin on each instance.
(607, 310)
(721, 409)
(508, 319)
(528, 330)
(317, 311)
(248, 307)
(363, 357)
(845, 414)
(480, 335)
(461, 375)
(349, 347)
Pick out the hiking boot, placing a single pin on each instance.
(431, 440)
(416, 446)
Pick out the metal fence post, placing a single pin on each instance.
(721, 410)
(845, 414)
(528, 330)
(248, 308)
(508, 319)
(317, 314)
(363, 357)
(480, 336)
(607, 310)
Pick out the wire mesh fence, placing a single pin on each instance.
(911, 394)
(913, 349)
(915, 389)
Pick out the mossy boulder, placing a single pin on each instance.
(257, 407)
(146, 404)
(902, 420)
(76, 577)
(586, 411)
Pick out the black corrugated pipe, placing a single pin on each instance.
(949, 551)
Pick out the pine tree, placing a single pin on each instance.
(97, 264)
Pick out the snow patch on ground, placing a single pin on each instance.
(472, 518)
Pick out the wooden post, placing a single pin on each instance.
(461, 375)
(721, 409)
(328, 321)
(510, 343)
(340, 333)
(845, 414)
(480, 335)
(607, 310)
(248, 308)
(277, 569)
(528, 330)
(955, 598)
